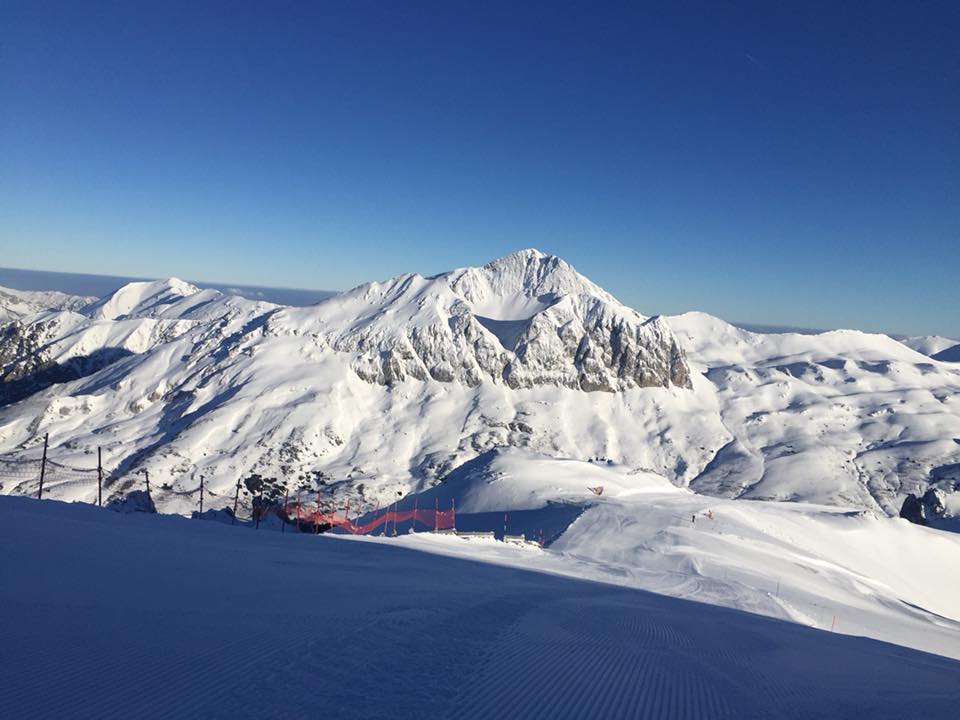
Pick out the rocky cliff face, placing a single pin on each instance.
(525, 320)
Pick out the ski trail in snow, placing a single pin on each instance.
(110, 616)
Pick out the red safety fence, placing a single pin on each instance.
(431, 519)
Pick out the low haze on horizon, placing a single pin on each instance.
(793, 165)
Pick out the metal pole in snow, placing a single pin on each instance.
(99, 479)
(201, 494)
(43, 465)
(236, 499)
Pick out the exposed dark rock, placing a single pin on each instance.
(933, 504)
(913, 510)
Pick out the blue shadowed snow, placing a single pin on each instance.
(140, 616)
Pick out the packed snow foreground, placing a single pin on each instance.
(680, 455)
(107, 615)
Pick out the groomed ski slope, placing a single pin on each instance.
(828, 567)
(106, 615)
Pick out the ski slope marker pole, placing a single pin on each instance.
(99, 478)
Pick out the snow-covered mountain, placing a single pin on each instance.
(929, 344)
(389, 387)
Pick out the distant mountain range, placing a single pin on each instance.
(100, 285)
(391, 386)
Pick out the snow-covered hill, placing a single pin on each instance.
(393, 385)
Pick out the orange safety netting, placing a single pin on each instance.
(433, 519)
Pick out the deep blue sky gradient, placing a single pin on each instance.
(769, 162)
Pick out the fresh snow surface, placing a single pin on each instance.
(117, 616)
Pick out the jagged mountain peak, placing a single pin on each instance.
(525, 320)
(518, 285)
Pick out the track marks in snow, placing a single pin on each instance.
(573, 659)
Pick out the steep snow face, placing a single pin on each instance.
(842, 417)
(525, 320)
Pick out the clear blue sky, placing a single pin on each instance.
(769, 162)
